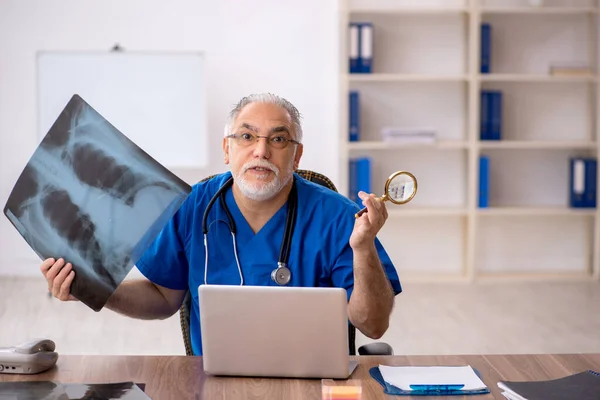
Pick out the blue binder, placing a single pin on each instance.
(496, 115)
(354, 116)
(591, 168)
(484, 116)
(352, 174)
(484, 181)
(432, 390)
(354, 47)
(360, 178)
(486, 51)
(363, 182)
(490, 115)
(577, 182)
(366, 48)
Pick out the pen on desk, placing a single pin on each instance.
(436, 388)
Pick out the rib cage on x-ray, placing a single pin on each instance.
(91, 196)
(51, 390)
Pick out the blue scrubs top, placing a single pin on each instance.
(320, 253)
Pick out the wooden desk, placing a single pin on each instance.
(182, 377)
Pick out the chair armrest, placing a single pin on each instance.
(376, 349)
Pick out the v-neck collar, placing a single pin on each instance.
(244, 231)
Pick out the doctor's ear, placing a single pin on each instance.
(225, 150)
(298, 155)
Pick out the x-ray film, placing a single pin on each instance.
(51, 390)
(105, 391)
(93, 197)
(36, 390)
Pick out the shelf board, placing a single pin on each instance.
(399, 211)
(416, 277)
(535, 144)
(379, 77)
(538, 10)
(463, 10)
(535, 78)
(383, 77)
(382, 145)
(535, 211)
(410, 10)
(517, 276)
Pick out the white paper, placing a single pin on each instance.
(508, 392)
(403, 377)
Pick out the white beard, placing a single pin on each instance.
(262, 191)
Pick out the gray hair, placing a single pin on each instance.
(266, 98)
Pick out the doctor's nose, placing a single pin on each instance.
(261, 149)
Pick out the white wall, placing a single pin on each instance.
(286, 47)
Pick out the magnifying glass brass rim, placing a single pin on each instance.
(385, 197)
(387, 187)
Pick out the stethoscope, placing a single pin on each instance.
(282, 274)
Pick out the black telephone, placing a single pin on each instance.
(31, 357)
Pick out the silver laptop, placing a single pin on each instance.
(275, 331)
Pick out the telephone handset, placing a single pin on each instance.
(30, 357)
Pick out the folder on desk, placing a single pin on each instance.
(429, 381)
(581, 386)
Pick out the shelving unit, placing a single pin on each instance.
(426, 59)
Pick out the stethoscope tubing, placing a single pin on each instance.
(282, 274)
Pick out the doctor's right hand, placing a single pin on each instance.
(59, 277)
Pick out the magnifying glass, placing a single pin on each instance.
(400, 188)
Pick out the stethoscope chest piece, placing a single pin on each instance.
(281, 275)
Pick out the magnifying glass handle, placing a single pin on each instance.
(361, 212)
(364, 210)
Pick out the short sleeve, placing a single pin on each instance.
(342, 272)
(165, 262)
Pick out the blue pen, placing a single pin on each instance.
(436, 388)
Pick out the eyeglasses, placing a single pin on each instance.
(248, 139)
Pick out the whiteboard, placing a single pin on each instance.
(157, 100)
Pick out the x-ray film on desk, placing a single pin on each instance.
(52, 390)
(93, 197)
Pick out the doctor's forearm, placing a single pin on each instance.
(372, 298)
(142, 299)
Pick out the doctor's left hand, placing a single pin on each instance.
(367, 226)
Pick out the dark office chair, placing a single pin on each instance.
(379, 348)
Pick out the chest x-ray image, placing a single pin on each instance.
(93, 197)
(36, 390)
(51, 390)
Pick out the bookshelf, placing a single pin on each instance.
(426, 73)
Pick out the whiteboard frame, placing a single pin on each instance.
(196, 144)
